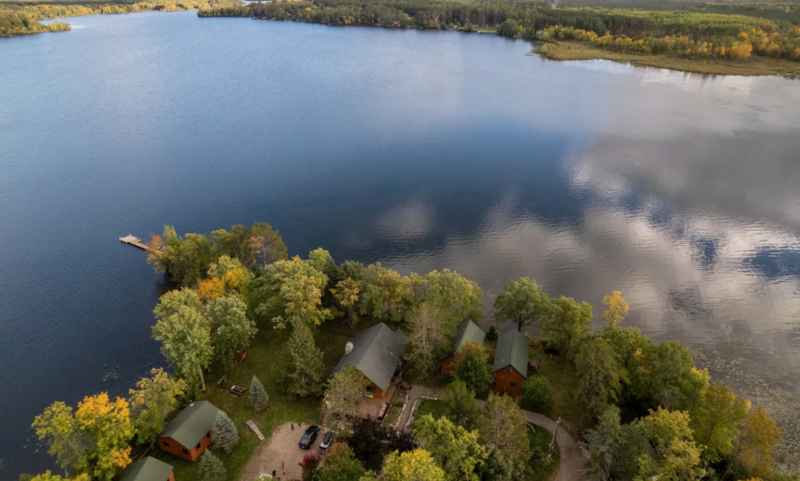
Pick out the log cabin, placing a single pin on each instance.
(189, 434)
(467, 331)
(148, 469)
(510, 363)
(378, 353)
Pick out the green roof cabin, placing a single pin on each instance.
(378, 353)
(189, 434)
(148, 469)
(467, 331)
(510, 363)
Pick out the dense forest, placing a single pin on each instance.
(734, 31)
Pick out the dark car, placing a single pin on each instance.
(327, 440)
(308, 437)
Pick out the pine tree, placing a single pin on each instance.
(211, 468)
(258, 395)
(225, 434)
(306, 368)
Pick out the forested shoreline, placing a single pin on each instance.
(703, 32)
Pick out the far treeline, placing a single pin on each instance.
(707, 30)
(642, 409)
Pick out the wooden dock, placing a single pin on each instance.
(134, 241)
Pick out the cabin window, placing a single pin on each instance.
(164, 443)
(184, 451)
(208, 435)
(509, 369)
(513, 384)
(198, 446)
(371, 389)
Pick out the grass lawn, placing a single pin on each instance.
(564, 382)
(267, 358)
(430, 406)
(544, 467)
(586, 51)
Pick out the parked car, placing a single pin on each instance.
(327, 440)
(308, 437)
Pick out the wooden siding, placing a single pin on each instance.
(508, 380)
(171, 477)
(378, 394)
(169, 445)
(448, 366)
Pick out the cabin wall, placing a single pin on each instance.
(171, 477)
(377, 394)
(508, 380)
(449, 366)
(169, 445)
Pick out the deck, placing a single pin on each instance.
(377, 408)
(134, 241)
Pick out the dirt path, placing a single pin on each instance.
(282, 445)
(572, 461)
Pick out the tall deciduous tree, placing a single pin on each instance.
(565, 323)
(454, 294)
(755, 447)
(672, 452)
(152, 401)
(344, 392)
(233, 274)
(664, 375)
(715, 421)
(503, 425)
(322, 261)
(459, 404)
(185, 259)
(417, 465)
(346, 294)
(185, 338)
(295, 288)
(340, 465)
(258, 395)
(472, 367)
(522, 302)
(171, 302)
(65, 439)
(382, 293)
(211, 468)
(225, 435)
(108, 425)
(617, 308)
(237, 242)
(427, 338)
(270, 246)
(455, 449)
(230, 328)
(48, 476)
(602, 444)
(599, 374)
(305, 369)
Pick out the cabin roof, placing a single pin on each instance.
(147, 469)
(194, 422)
(377, 352)
(467, 331)
(512, 350)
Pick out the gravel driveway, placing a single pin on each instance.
(282, 445)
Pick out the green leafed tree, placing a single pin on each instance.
(522, 302)
(715, 421)
(417, 465)
(459, 297)
(211, 468)
(153, 400)
(602, 444)
(340, 465)
(269, 244)
(231, 328)
(225, 435)
(671, 451)
(456, 450)
(171, 302)
(565, 323)
(459, 404)
(472, 367)
(322, 261)
(258, 395)
(305, 368)
(343, 394)
(185, 259)
(428, 340)
(600, 376)
(502, 424)
(382, 293)
(295, 289)
(537, 394)
(664, 375)
(185, 338)
(65, 440)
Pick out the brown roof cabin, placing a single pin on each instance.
(378, 353)
(510, 363)
(467, 331)
(148, 469)
(189, 434)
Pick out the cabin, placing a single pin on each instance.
(467, 331)
(148, 469)
(510, 363)
(189, 434)
(378, 353)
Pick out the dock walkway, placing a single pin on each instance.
(134, 241)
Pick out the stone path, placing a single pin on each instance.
(572, 460)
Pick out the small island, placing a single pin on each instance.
(356, 372)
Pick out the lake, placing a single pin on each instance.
(422, 150)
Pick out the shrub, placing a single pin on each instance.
(537, 394)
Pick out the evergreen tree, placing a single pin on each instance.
(211, 468)
(258, 395)
(305, 371)
(225, 434)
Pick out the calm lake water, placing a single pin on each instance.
(422, 150)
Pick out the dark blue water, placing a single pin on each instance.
(422, 150)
